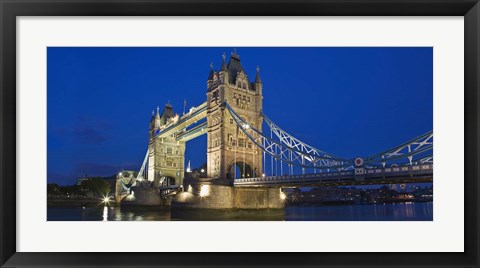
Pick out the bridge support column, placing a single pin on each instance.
(227, 146)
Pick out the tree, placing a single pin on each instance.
(96, 186)
(52, 189)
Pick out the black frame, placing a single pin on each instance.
(9, 9)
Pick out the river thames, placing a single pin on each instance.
(378, 212)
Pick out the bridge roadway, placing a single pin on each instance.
(387, 175)
(192, 133)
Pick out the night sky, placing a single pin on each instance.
(346, 101)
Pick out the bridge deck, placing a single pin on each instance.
(193, 132)
(402, 174)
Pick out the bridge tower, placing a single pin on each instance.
(230, 153)
(165, 155)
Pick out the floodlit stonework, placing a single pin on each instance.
(165, 155)
(227, 145)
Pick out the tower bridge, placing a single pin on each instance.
(247, 150)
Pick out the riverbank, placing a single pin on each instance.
(79, 203)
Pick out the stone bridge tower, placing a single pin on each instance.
(230, 152)
(165, 155)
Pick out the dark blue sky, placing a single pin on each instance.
(346, 101)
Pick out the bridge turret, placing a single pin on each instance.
(223, 74)
(258, 85)
(212, 77)
(151, 129)
(167, 114)
(157, 119)
(235, 70)
(152, 120)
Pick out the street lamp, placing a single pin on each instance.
(106, 200)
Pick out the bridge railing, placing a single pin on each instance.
(388, 172)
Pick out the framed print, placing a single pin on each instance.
(311, 133)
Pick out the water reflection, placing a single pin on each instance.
(105, 213)
(382, 212)
(379, 212)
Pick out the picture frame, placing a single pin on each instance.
(9, 257)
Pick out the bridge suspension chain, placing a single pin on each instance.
(421, 146)
(294, 154)
(293, 142)
(142, 173)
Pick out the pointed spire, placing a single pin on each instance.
(158, 112)
(153, 116)
(224, 63)
(184, 105)
(257, 78)
(188, 167)
(235, 55)
(210, 75)
(234, 67)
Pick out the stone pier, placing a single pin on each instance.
(206, 194)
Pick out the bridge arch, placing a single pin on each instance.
(167, 180)
(244, 170)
